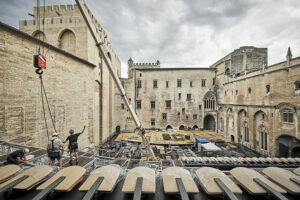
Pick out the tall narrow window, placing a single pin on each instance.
(203, 82)
(167, 84)
(264, 140)
(209, 101)
(139, 84)
(268, 88)
(188, 97)
(168, 104)
(155, 84)
(152, 103)
(122, 106)
(152, 122)
(123, 85)
(191, 83)
(164, 116)
(138, 104)
(179, 95)
(178, 82)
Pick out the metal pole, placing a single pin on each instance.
(114, 75)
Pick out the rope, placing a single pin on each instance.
(43, 105)
(48, 104)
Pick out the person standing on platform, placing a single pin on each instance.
(54, 146)
(73, 145)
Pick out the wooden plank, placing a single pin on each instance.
(48, 189)
(169, 176)
(244, 176)
(8, 171)
(35, 175)
(148, 176)
(282, 178)
(297, 171)
(110, 174)
(206, 176)
(73, 174)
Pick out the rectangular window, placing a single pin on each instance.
(183, 110)
(178, 82)
(178, 114)
(179, 95)
(191, 83)
(288, 117)
(214, 81)
(195, 116)
(152, 122)
(138, 104)
(167, 84)
(297, 85)
(152, 103)
(139, 84)
(188, 97)
(155, 84)
(164, 116)
(122, 106)
(203, 82)
(123, 84)
(200, 106)
(168, 104)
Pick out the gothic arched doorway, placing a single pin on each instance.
(209, 123)
(181, 127)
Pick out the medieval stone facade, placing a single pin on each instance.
(239, 97)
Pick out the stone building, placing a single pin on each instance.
(258, 107)
(80, 89)
(168, 98)
(243, 99)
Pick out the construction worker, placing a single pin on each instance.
(73, 145)
(17, 157)
(54, 146)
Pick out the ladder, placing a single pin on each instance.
(103, 52)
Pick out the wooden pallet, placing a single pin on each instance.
(109, 173)
(73, 174)
(8, 171)
(148, 176)
(206, 177)
(283, 177)
(169, 176)
(35, 175)
(245, 177)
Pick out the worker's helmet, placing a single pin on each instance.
(54, 134)
(71, 131)
(26, 150)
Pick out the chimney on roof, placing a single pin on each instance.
(288, 57)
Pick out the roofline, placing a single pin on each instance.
(15, 31)
(174, 68)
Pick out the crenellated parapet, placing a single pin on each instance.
(146, 65)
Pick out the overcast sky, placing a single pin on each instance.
(185, 33)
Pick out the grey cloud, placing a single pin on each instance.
(194, 33)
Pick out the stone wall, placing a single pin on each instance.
(64, 26)
(256, 101)
(68, 80)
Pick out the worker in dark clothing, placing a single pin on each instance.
(17, 157)
(73, 145)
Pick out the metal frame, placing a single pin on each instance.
(12, 184)
(184, 195)
(270, 190)
(49, 189)
(91, 192)
(138, 189)
(227, 192)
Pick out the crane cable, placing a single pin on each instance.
(39, 71)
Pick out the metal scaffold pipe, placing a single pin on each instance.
(113, 73)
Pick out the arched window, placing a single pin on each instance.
(39, 35)
(209, 101)
(67, 41)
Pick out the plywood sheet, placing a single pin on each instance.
(297, 171)
(244, 176)
(73, 174)
(110, 174)
(169, 176)
(206, 176)
(148, 176)
(36, 175)
(8, 171)
(282, 178)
